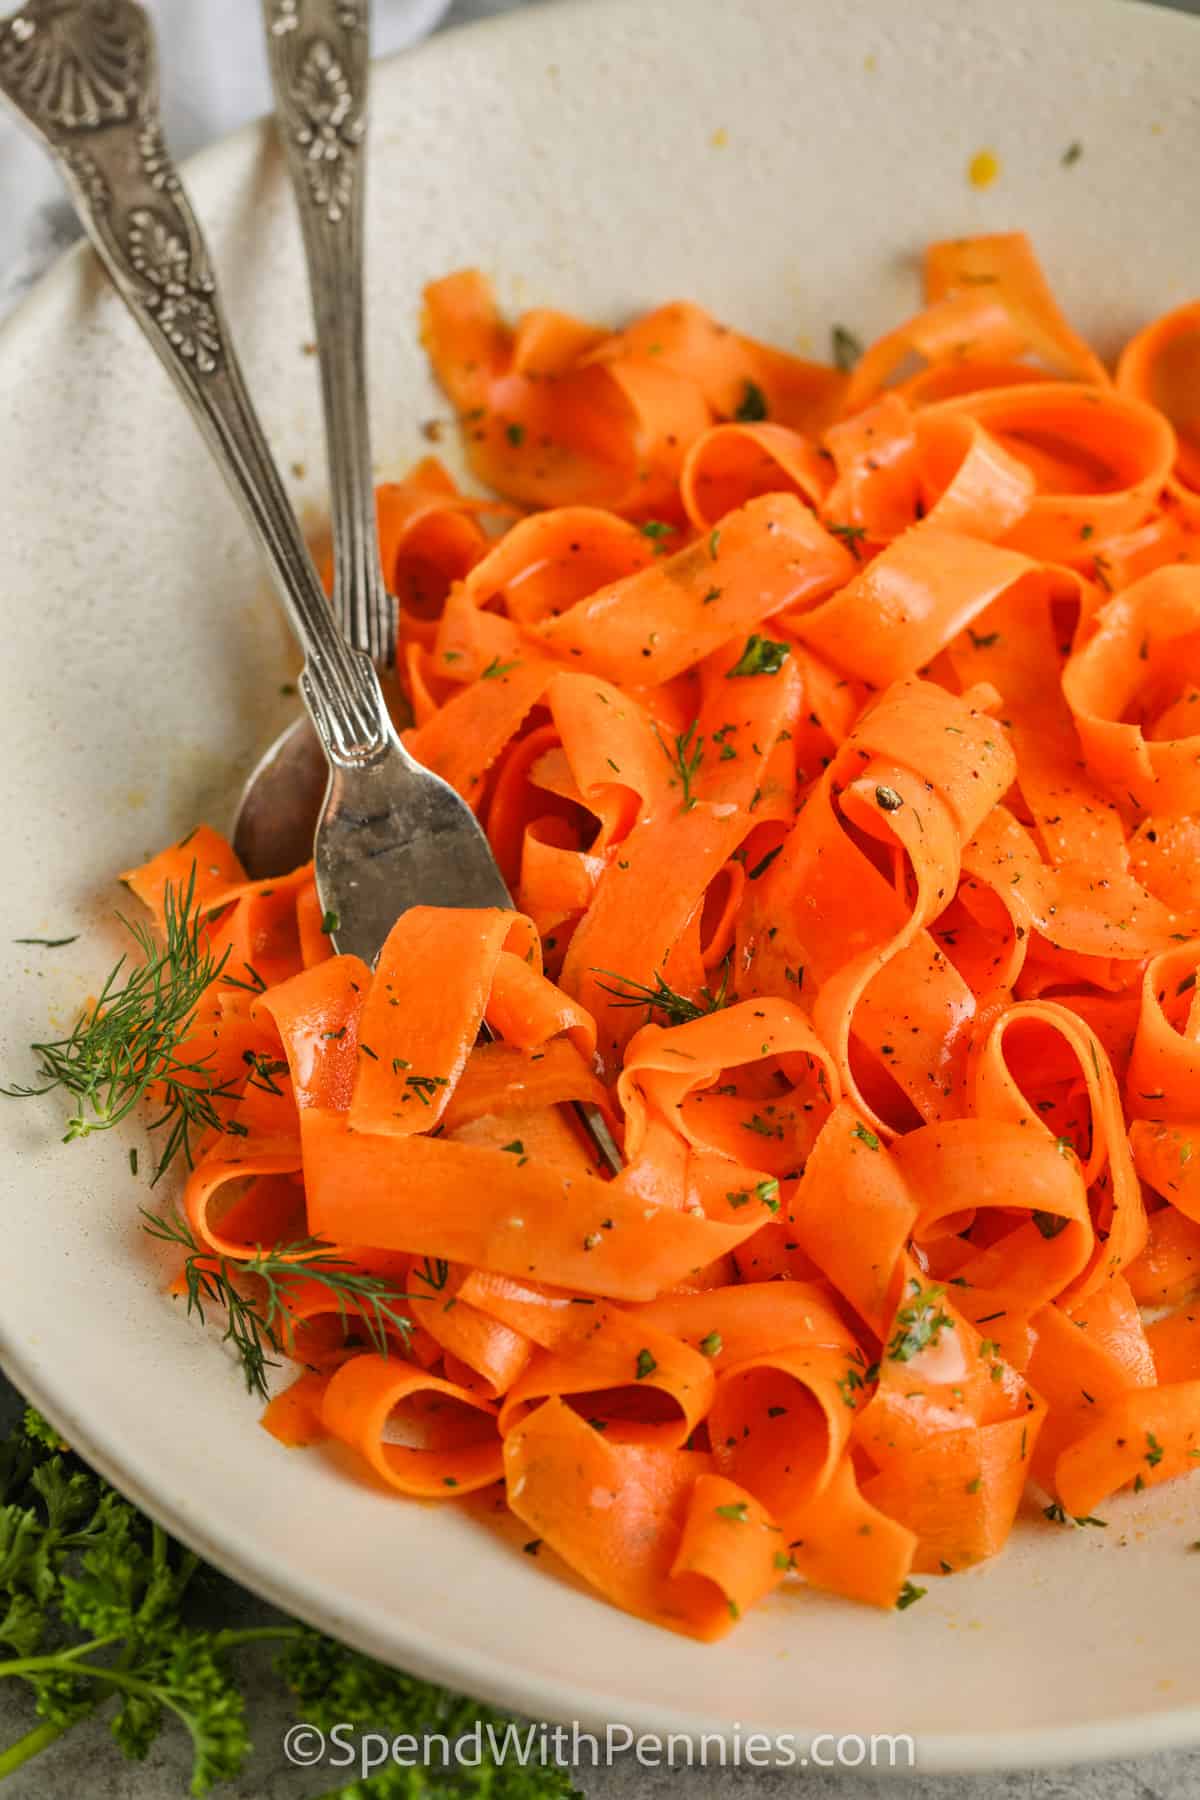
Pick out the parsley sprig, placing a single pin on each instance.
(761, 656)
(919, 1323)
(101, 1613)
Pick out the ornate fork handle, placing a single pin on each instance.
(319, 53)
(83, 74)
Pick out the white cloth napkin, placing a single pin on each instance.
(214, 76)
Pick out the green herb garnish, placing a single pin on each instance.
(425, 1086)
(761, 656)
(134, 1038)
(658, 531)
(919, 1324)
(685, 758)
(753, 404)
(851, 535)
(847, 349)
(102, 1615)
(1058, 1515)
(255, 1295)
(660, 996)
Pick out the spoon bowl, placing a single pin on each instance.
(277, 813)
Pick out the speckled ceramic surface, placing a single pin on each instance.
(781, 162)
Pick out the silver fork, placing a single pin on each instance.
(391, 834)
(319, 55)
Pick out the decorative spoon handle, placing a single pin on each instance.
(319, 53)
(83, 74)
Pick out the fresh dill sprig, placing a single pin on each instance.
(661, 997)
(130, 1041)
(261, 1327)
(254, 983)
(435, 1273)
(851, 535)
(685, 756)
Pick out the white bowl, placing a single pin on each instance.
(782, 163)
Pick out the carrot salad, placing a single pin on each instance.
(837, 731)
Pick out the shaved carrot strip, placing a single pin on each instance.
(1158, 367)
(1175, 1344)
(841, 1543)
(769, 555)
(433, 1197)
(450, 1445)
(203, 858)
(294, 1416)
(619, 1515)
(1140, 1438)
(410, 1059)
(623, 1360)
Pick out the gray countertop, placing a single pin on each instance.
(86, 1763)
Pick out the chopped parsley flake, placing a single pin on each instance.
(919, 1324)
(761, 656)
(850, 535)
(846, 349)
(753, 405)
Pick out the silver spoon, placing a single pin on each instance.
(83, 75)
(319, 56)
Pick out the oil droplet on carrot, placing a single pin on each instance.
(983, 168)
